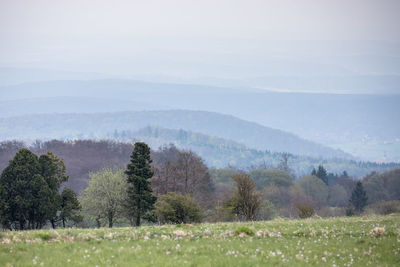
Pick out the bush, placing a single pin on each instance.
(386, 207)
(44, 236)
(267, 211)
(350, 211)
(305, 210)
(175, 208)
(244, 230)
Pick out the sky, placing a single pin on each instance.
(186, 38)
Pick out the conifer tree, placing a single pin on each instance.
(359, 197)
(322, 174)
(140, 197)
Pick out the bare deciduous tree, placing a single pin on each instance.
(246, 200)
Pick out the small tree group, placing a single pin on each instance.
(321, 173)
(30, 186)
(114, 193)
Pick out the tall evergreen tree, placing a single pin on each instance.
(19, 180)
(322, 174)
(140, 197)
(70, 207)
(52, 169)
(359, 197)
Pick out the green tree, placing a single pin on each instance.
(314, 187)
(358, 197)
(3, 203)
(31, 189)
(338, 196)
(70, 207)
(17, 181)
(176, 208)
(53, 172)
(322, 174)
(140, 197)
(263, 178)
(105, 195)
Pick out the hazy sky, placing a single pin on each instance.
(123, 37)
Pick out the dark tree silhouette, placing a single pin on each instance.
(359, 197)
(140, 197)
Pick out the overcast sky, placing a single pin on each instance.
(87, 35)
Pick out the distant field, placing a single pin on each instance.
(331, 242)
(372, 151)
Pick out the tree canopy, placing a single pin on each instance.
(30, 186)
(140, 198)
(105, 195)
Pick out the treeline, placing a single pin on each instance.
(82, 156)
(175, 186)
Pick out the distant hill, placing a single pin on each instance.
(220, 153)
(323, 118)
(99, 125)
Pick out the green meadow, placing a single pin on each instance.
(343, 241)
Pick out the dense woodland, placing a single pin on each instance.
(83, 156)
(181, 188)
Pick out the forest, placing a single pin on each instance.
(86, 183)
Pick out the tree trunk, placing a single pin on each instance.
(63, 222)
(98, 221)
(53, 224)
(110, 220)
(138, 220)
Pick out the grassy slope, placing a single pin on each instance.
(339, 241)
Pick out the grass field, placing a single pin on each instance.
(346, 241)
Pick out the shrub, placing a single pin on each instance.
(350, 211)
(305, 210)
(386, 207)
(175, 208)
(267, 211)
(244, 230)
(44, 236)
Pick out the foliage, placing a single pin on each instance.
(82, 156)
(105, 195)
(246, 200)
(304, 210)
(382, 186)
(263, 178)
(223, 176)
(244, 230)
(350, 211)
(386, 207)
(30, 187)
(314, 187)
(358, 197)
(182, 172)
(267, 211)
(338, 196)
(140, 198)
(321, 173)
(70, 207)
(176, 208)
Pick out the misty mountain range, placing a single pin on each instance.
(324, 118)
(100, 125)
